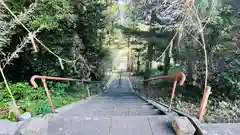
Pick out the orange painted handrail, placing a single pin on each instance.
(49, 78)
(44, 78)
(173, 76)
(182, 75)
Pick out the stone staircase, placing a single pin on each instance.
(116, 112)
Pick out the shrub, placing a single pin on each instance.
(36, 99)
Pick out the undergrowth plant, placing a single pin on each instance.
(35, 98)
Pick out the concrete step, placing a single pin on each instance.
(119, 99)
(120, 125)
(116, 102)
(8, 128)
(221, 129)
(115, 112)
(136, 112)
(124, 102)
(111, 112)
(109, 106)
(125, 97)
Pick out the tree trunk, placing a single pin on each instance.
(166, 63)
(132, 61)
(128, 57)
(138, 63)
(150, 53)
(191, 70)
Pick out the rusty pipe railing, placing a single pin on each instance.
(173, 76)
(44, 78)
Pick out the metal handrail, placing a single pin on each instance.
(182, 75)
(44, 78)
(173, 76)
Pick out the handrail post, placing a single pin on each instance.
(48, 94)
(173, 92)
(44, 78)
(174, 76)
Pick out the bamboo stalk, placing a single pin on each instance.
(16, 110)
(202, 110)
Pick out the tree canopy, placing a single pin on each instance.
(202, 40)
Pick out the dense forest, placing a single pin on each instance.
(52, 38)
(199, 38)
(80, 38)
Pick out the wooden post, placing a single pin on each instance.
(202, 110)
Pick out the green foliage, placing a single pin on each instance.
(36, 99)
(231, 80)
(21, 91)
(73, 30)
(221, 35)
(155, 72)
(64, 26)
(231, 77)
(43, 14)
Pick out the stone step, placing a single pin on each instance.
(8, 128)
(116, 112)
(116, 102)
(119, 100)
(112, 109)
(111, 112)
(120, 125)
(143, 112)
(126, 97)
(221, 129)
(103, 106)
(118, 97)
